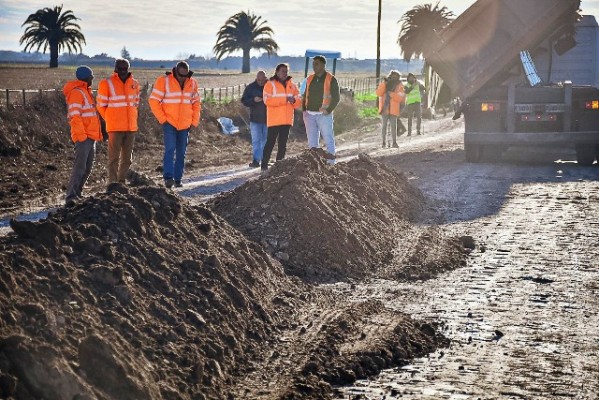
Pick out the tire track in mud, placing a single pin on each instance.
(522, 315)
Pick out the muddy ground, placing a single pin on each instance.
(139, 293)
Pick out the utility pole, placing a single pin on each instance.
(378, 43)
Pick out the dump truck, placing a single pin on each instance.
(525, 74)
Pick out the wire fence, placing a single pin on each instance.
(20, 97)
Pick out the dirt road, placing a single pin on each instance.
(522, 316)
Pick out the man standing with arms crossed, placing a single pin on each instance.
(117, 102)
(319, 100)
(253, 98)
(175, 102)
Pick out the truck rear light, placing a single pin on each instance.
(552, 117)
(592, 105)
(525, 117)
(489, 107)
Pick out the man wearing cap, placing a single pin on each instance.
(118, 100)
(175, 102)
(85, 129)
(318, 102)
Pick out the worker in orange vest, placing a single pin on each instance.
(319, 100)
(391, 95)
(117, 102)
(175, 102)
(85, 129)
(281, 97)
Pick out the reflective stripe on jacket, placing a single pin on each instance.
(326, 96)
(391, 107)
(117, 103)
(279, 110)
(81, 112)
(179, 107)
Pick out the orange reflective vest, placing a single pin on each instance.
(278, 110)
(396, 97)
(117, 103)
(81, 112)
(326, 97)
(179, 107)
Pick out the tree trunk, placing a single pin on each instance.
(53, 55)
(246, 61)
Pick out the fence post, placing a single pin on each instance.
(7, 98)
(24, 99)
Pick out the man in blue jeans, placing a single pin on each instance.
(175, 102)
(318, 102)
(252, 98)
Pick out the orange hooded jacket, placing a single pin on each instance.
(278, 110)
(179, 107)
(81, 112)
(117, 103)
(396, 97)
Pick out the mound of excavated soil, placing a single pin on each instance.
(133, 295)
(325, 222)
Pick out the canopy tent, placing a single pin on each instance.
(328, 54)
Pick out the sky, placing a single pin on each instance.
(175, 29)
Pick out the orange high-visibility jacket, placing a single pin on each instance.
(278, 110)
(179, 107)
(117, 103)
(396, 97)
(81, 111)
(326, 96)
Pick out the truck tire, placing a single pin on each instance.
(585, 154)
(473, 152)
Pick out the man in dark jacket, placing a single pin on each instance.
(252, 98)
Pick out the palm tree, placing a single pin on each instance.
(418, 27)
(50, 27)
(244, 31)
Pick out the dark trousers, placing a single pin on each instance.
(280, 134)
(414, 110)
(85, 153)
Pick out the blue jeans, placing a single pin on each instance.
(175, 146)
(320, 125)
(259, 134)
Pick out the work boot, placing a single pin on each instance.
(254, 164)
(395, 146)
(384, 145)
(178, 184)
(169, 183)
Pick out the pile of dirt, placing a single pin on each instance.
(324, 222)
(133, 294)
(136, 294)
